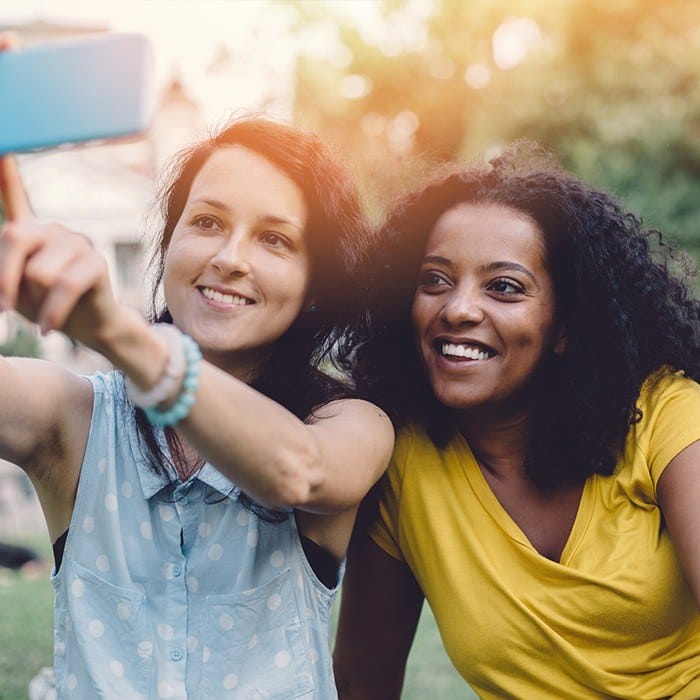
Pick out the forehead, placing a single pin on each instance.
(238, 176)
(482, 233)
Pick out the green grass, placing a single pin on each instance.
(430, 673)
(26, 626)
(26, 631)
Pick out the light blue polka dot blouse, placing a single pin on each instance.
(175, 590)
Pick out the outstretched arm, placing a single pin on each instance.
(324, 465)
(14, 200)
(679, 497)
(380, 608)
(37, 433)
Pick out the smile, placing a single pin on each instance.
(229, 299)
(469, 352)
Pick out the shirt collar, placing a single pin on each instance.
(152, 483)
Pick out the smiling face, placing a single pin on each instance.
(237, 268)
(484, 308)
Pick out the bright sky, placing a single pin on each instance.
(188, 34)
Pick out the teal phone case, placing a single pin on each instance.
(63, 92)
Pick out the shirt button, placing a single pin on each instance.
(176, 654)
(176, 570)
(184, 500)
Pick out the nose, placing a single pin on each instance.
(233, 256)
(463, 306)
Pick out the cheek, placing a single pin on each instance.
(169, 270)
(534, 340)
(297, 279)
(173, 258)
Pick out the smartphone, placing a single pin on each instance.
(63, 92)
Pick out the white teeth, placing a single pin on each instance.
(468, 351)
(230, 299)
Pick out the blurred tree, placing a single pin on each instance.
(610, 87)
(612, 90)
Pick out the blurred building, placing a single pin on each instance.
(106, 191)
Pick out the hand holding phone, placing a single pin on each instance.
(14, 200)
(87, 89)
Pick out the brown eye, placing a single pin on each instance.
(206, 223)
(275, 240)
(505, 286)
(431, 279)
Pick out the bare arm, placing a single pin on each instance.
(15, 202)
(679, 497)
(44, 422)
(380, 608)
(323, 466)
(36, 431)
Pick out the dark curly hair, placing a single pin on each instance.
(621, 292)
(338, 235)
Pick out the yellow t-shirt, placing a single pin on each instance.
(615, 618)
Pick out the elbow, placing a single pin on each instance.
(299, 474)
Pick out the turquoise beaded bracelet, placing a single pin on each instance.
(190, 382)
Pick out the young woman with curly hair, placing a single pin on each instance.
(540, 349)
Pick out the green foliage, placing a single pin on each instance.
(610, 87)
(612, 91)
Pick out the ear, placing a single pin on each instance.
(560, 341)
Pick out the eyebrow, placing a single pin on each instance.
(269, 218)
(438, 260)
(507, 265)
(491, 267)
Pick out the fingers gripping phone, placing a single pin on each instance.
(64, 92)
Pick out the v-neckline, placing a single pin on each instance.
(502, 517)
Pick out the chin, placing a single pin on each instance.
(456, 400)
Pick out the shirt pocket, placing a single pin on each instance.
(103, 638)
(255, 645)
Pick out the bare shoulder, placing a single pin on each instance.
(358, 422)
(351, 410)
(353, 442)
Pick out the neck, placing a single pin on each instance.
(499, 444)
(244, 366)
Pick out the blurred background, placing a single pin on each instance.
(397, 86)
